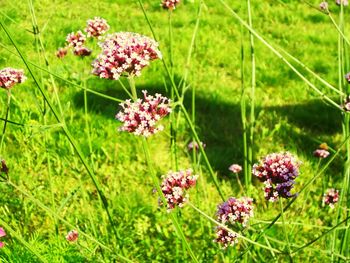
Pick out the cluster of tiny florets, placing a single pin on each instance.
(277, 171)
(194, 146)
(96, 27)
(346, 105)
(324, 6)
(10, 77)
(230, 213)
(82, 51)
(125, 53)
(225, 238)
(331, 197)
(321, 153)
(2, 234)
(343, 2)
(141, 117)
(72, 236)
(175, 186)
(235, 211)
(76, 39)
(170, 4)
(235, 168)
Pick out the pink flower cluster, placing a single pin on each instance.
(226, 238)
(235, 168)
(76, 41)
(141, 117)
(344, 2)
(72, 236)
(324, 6)
(195, 146)
(96, 27)
(346, 105)
(10, 77)
(125, 53)
(331, 197)
(2, 234)
(321, 153)
(175, 185)
(170, 4)
(229, 213)
(277, 171)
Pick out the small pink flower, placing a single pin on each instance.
(196, 146)
(175, 185)
(82, 51)
(61, 52)
(2, 234)
(125, 54)
(225, 238)
(72, 236)
(76, 39)
(10, 77)
(344, 2)
(346, 105)
(170, 4)
(141, 117)
(324, 6)
(321, 153)
(235, 168)
(96, 27)
(331, 197)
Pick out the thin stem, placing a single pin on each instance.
(6, 119)
(160, 193)
(284, 226)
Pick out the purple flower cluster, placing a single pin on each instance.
(321, 153)
(61, 52)
(141, 117)
(277, 171)
(230, 213)
(10, 77)
(170, 4)
(331, 197)
(96, 27)
(175, 185)
(125, 53)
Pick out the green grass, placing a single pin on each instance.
(289, 116)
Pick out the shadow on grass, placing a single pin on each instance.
(219, 123)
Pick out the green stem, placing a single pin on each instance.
(67, 133)
(160, 193)
(6, 120)
(284, 226)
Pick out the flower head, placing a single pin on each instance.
(2, 234)
(324, 6)
(225, 238)
(321, 153)
(141, 117)
(72, 236)
(235, 211)
(277, 171)
(175, 185)
(76, 39)
(10, 77)
(235, 168)
(96, 27)
(125, 53)
(331, 197)
(195, 146)
(61, 52)
(82, 51)
(170, 4)
(346, 105)
(344, 2)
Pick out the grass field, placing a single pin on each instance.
(52, 156)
